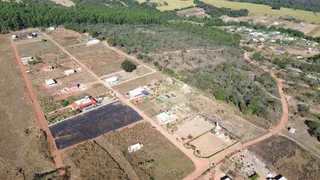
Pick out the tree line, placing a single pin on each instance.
(217, 12)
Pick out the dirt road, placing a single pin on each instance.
(201, 165)
(40, 116)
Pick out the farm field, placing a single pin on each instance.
(288, 158)
(23, 145)
(93, 124)
(158, 158)
(307, 28)
(172, 4)
(262, 10)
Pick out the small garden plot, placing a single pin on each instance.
(210, 143)
(93, 124)
(66, 37)
(37, 48)
(194, 128)
(102, 62)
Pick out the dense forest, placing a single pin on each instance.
(309, 5)
(217, 12)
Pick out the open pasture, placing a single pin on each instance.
(262, 10)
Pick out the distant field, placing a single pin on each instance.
(67, 3)
(172, 4)
(257, 9)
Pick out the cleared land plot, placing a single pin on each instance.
(228, 118)
(22, 146)
(36, 48)
(158, 158)
(209, 143)
(172, 4)
(195, 127)
(93, 124)
(288, 158)
(83, 48)
(127, 86)
(126, 76)
(101, 62)
(262, 10)
(66, 37)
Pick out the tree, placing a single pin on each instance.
(128, 66)
(314, 129)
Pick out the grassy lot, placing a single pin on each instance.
(158, 159)
(108, 157)
(288, 158)
(172, 4)
(257, 9)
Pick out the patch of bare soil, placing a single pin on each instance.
(288, 158)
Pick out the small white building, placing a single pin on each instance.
(92, 42)
(69, 72)
(135, 147)
(112, 81)
(51, 28)
(291, 130)
(137, 92)
(50, 82)
(14, 37)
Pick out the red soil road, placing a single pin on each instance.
(40, 116)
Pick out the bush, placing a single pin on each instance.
(314, 129)
(128, 66)
(255, 176)
(303, 110)
(155, 63)
(64, 103)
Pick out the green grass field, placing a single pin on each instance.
(172, 4)
(256, 9)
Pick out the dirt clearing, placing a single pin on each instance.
(66, 37)
(22, 145)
